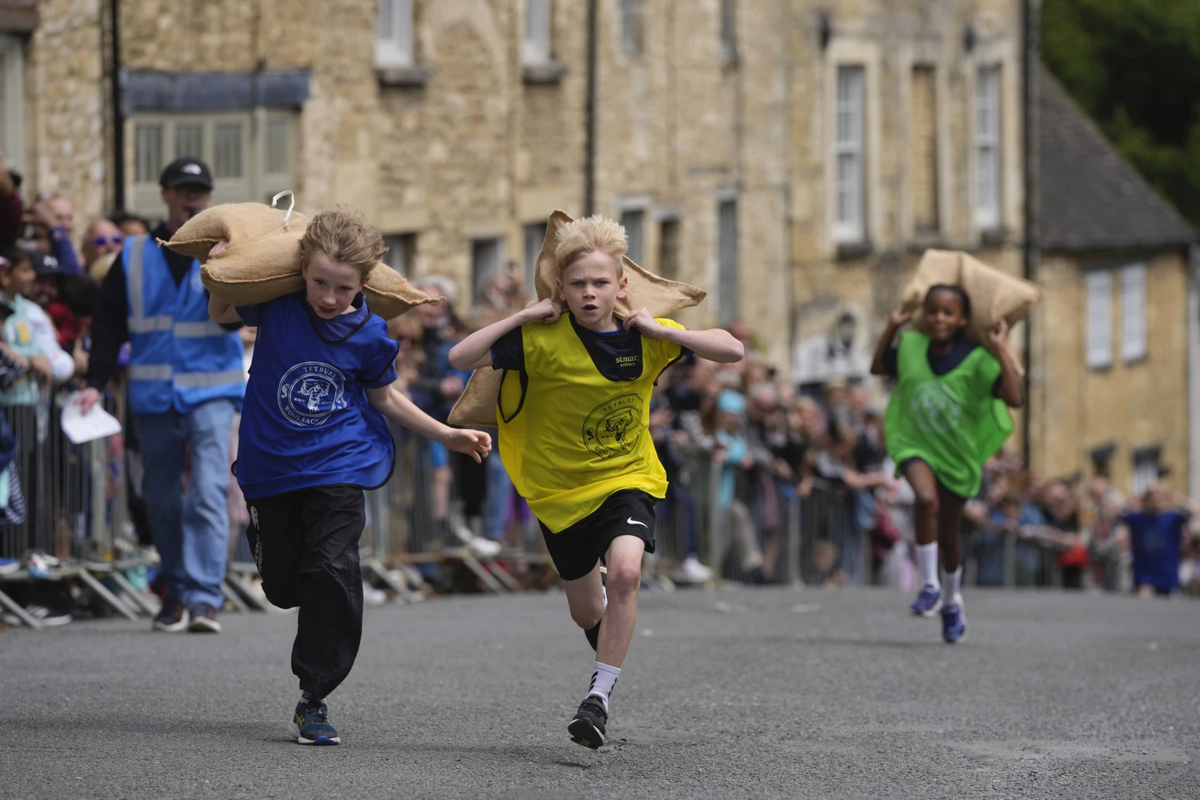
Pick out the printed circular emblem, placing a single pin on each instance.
(310, 392)
(934, 409)
(614, 428)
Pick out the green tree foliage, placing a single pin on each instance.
(1134, 67)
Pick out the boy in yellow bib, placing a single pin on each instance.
(574, 435)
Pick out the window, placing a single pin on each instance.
(728, 29)
(635, 233)
(987, 148)
(631, 27)
(1099, 319)
(534, 235)
(487, 261)
(394, 45)
(727, 249)
(668, 249)
(848, 226)
(12, 101)
(1133, 312)
(536, 45)
(249, 152)
(922, 150)
(402, 252)
(1146, 468)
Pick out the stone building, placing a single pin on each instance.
(1115, 342)
(794, 158)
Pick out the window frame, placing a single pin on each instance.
(633, 24)
(480, 273)
(12, 110)
(395, 48)
(402, 252)
(254, 185)
(633, 220)
(538, 38)
(848, 230)
(727, 29)
(1135, 316)
(533, 236)
(1098, 350)
(727, 260)
(989, 108)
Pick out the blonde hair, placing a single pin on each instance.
(345, 237)
(582, 237)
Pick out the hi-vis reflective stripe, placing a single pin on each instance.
(133, 277)
(204, 380)
(150, 372)
(197, 330)
(184, 380)
(151, 324)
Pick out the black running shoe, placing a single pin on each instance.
(593, 635)
(587, 728)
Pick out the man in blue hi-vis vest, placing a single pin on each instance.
(185, 383)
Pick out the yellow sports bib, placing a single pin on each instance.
(569, 436)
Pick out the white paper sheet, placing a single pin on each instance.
(96, 424)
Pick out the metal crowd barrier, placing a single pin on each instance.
(74, 507)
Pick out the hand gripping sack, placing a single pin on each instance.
(994, 295)
(477, 406)
(262, 261)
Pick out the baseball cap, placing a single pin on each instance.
(44, 265)
(186, 170)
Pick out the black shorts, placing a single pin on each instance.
(576, 550)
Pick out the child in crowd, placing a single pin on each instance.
(947, 417)
(576, 442)
(313, 435)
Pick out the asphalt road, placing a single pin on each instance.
(730, 693)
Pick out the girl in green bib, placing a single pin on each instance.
(946, 418)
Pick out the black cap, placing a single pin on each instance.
(184, 171)
(44, 265)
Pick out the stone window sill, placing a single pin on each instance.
(849, 251)
(412, 76)
(548, 72)
(993, 237)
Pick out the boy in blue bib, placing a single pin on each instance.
(314, 434)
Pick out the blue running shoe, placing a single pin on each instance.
(928, 602)
(954, 623)
(310, 724)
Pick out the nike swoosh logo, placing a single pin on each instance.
(633, 521)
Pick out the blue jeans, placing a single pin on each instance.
(191, 530)
(499, 487)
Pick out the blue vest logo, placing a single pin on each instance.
(310, 392)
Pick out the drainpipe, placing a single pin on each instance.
(1193, 371)
(118, 115)
(1031, 64)
(589, 176)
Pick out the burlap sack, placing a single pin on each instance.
(994, 294)
(262, 261)
(661, 297)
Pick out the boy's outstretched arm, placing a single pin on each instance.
(392, 403)
(475, 351)
(713, 344)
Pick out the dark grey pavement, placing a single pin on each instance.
(733, 693)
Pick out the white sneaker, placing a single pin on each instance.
(485, 548)
(47, 617)
(693, 571)
(373, 596)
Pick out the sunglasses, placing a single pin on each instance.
(100, 241)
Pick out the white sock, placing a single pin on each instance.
(927, 564)
(604, 678)
(952, 581)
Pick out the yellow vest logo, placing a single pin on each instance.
(613, 429)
